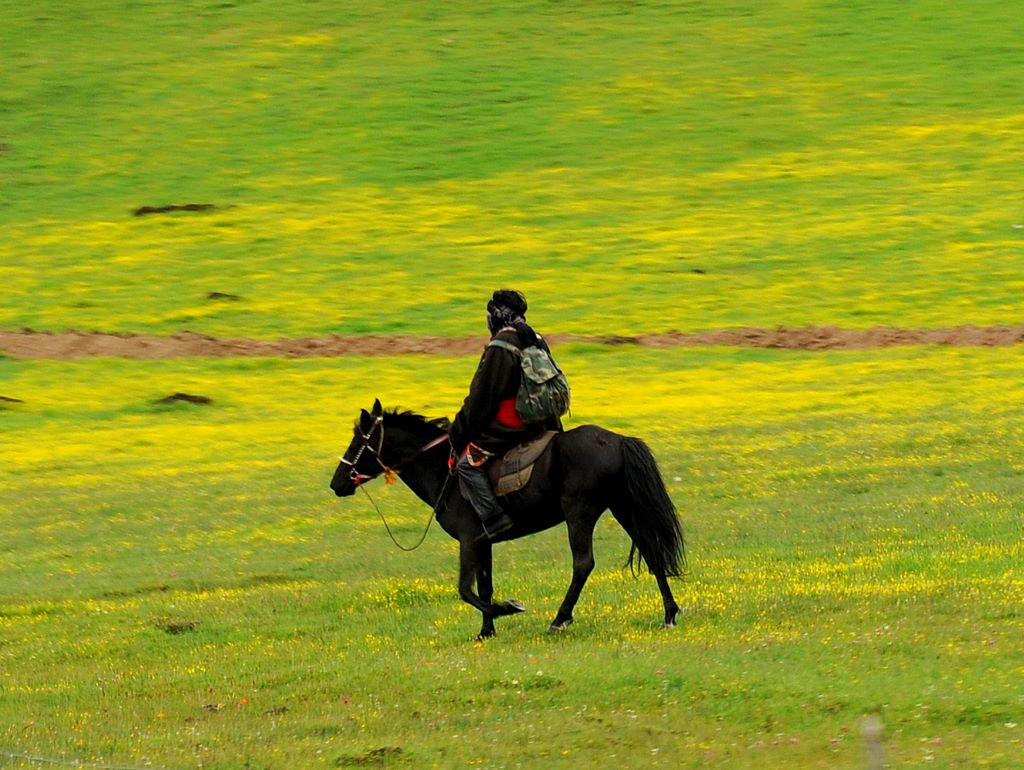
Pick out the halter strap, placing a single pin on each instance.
(357, 477)
(436, 442)
(390, 472)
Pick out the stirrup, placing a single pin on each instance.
(496, 525)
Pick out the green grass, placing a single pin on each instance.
(382, 167)
(179, 588)
(853, 530)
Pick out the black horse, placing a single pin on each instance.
(587, 471)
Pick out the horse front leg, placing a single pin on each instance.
(475, 560)
(485, 586)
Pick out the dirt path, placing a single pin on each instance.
(75, 344)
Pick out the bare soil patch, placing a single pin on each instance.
(78, 344)
(142, 211)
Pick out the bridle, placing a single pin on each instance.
(354, 474)
(390, 473)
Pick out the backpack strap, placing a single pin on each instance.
(505, 346)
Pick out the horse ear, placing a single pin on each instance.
(378, 410)
(364, 420)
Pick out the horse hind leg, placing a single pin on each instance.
(667, 599)
(581, 541)
(671, 608)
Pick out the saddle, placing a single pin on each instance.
(514, 469)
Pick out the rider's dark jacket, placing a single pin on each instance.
(488, 416)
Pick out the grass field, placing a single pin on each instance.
(853, 164)
(178, 586)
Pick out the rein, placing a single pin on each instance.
(426, 529)
(391, 475)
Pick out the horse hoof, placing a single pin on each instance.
(557, 628)
(512, 606)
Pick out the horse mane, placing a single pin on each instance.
(417, 424)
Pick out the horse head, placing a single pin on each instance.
(361, 461)
(409, 436)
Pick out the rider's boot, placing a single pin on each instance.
(476, 488)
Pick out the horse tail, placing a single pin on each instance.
(648, 514)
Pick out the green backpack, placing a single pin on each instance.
(543, 390)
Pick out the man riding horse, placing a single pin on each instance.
(488, 424)
(584, 472)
